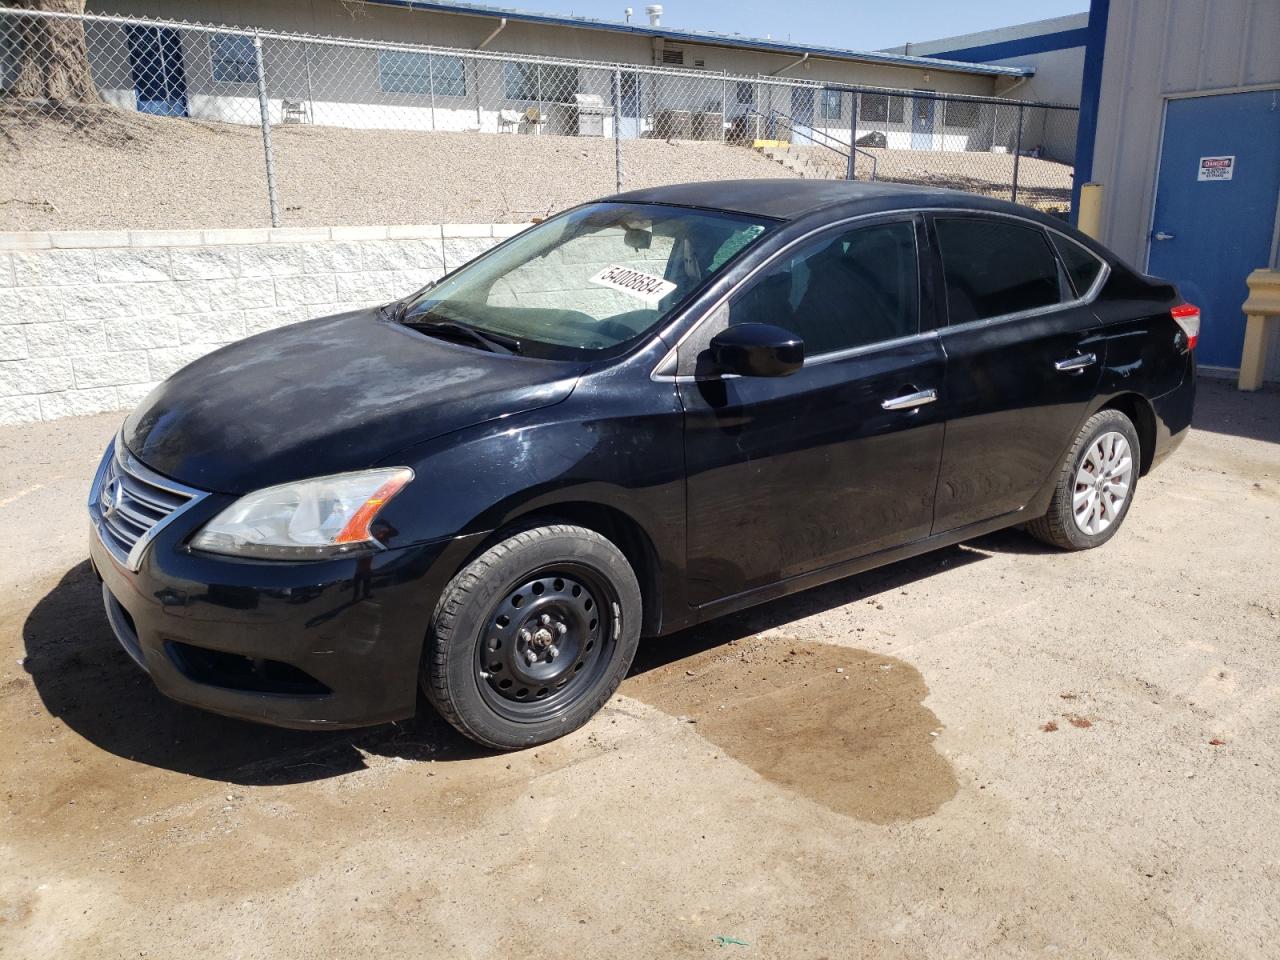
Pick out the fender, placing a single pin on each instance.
(556, 461)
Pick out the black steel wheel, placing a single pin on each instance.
(533, 636)
(547, 642)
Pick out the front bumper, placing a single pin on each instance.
(335, 643)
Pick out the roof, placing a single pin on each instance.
(792, 198)
(710, 38)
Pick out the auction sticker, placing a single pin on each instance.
(1216, 168)
(645, 286)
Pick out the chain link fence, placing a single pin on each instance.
(119, 121)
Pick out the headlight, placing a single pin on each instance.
(308, 520)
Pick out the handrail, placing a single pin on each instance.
(813, 133)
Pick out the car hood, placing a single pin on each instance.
(327, 396)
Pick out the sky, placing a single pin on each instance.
(856, 24)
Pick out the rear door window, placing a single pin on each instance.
(996, 267)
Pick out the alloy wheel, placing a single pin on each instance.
(1103, 482)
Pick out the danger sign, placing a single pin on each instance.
(1216, 168)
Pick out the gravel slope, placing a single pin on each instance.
(101, 168)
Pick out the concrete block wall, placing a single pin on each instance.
(92, 321)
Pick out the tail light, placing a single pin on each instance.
(1187, 316)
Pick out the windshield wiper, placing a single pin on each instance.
(453, 330)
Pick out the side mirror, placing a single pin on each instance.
(757, 350)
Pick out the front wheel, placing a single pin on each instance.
(1096, 485)
(533, 636)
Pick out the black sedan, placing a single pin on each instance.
(643, 413)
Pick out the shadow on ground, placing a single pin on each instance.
(1221, 408)
(86, 680)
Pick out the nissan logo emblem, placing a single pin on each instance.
(109, 499)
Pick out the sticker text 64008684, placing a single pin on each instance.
(644, 286)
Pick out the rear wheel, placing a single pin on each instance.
(1096, 485)
(533, 636)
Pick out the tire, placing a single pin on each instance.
(1082, 525)
(563, 607)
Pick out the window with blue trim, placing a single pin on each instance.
(233, 58)
(400, 71)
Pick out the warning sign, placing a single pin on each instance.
(1216, 168)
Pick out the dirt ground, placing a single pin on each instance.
(992, 751)
(1042, 183)
(65, 172)
(62, 172)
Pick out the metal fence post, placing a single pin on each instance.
(265, 110)
(617, 126)
(853, 134)
(724, 108)
(431, 85)
(1017, 154)
(311, 100)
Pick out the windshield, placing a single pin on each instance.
(587, 283)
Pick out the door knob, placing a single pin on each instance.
(1161, 235)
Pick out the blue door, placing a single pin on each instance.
(922, 123)
(1216, 207)
(159, 81)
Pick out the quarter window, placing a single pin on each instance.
(846, 290)
(1082, 266)
(995, 267)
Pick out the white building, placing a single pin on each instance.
(486, 67)
(1052, 49)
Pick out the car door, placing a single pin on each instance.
(1024, 355)
(787, 475)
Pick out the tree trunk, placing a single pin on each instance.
(53, 58)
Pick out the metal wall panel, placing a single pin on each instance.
(1161, 48)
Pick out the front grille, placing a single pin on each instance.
(130, 504)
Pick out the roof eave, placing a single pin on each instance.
(715, 39)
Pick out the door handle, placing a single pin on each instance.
(1161, 235)
(909, 401)
(1076, 364)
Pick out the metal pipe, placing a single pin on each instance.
(502, 25)
(794, 63)
(265, 109)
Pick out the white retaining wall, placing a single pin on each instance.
(92, 321)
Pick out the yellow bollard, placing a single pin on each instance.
(1263, 311)
(1089, 219)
